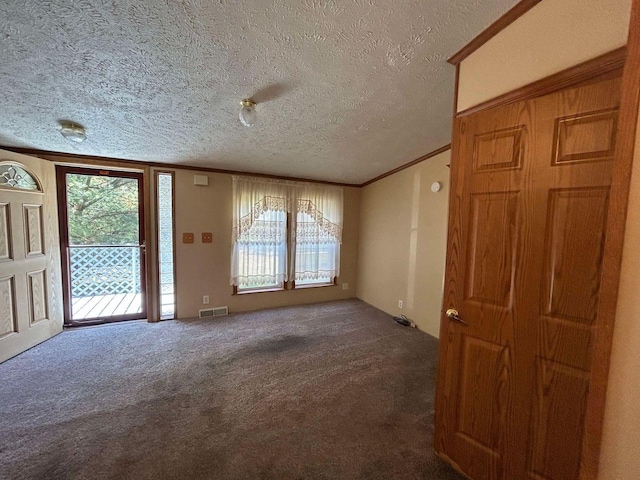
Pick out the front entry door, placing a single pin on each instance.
(29, 262)
(103, 245)
(530, 194)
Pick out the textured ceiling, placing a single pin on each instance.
(346, 90)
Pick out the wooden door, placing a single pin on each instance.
(529, 202)
(29, 260)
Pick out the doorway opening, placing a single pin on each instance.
(103, 245)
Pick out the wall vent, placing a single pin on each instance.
(213, 312)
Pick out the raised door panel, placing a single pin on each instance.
(558, 421)
(5, 232)
(37, 283)
(485, 392)
(491, 248)
(498, 150)
(8, 318)
(34, 233)
(575, 241)
(585, 137)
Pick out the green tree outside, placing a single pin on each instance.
(102, 210)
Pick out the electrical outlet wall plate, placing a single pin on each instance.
(207, 237)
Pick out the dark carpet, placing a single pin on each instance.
(331, 391)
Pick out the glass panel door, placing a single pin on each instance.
(102, 233)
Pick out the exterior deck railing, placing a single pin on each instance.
(104, 270)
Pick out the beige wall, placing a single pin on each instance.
(403, 234)
(204, 269)
(552, 36)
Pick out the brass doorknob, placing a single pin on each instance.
(453, 314)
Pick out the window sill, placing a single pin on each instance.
(257, 290)
(331, 283)
(313, 285)
(283, 288)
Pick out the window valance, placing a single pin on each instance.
(253, 196)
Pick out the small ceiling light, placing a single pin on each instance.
(248, 114)
(73, 132)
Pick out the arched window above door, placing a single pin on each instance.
(14, 175)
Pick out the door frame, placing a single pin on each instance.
(61, 172)
(628, 59)
(613, 247)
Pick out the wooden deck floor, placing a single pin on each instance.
(106, 305)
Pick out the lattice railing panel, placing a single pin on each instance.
(100, 270)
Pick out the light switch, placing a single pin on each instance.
(187, 238)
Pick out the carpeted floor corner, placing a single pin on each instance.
(330, 391)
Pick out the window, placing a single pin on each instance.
(285, 233)
(317, 236)
(260, 253)
(15, 176)
(164, 188)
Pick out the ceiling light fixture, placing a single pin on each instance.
(72, 132)
(248, 114)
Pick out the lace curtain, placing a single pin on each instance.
(316, 233)
(259, 257)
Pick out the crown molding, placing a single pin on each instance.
(407, 165)
(118, 162)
